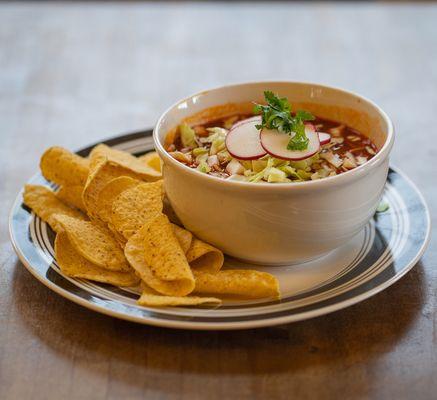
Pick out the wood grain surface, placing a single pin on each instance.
(75, 73)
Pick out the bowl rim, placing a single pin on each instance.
(354, 174)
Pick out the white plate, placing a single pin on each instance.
(388, 247)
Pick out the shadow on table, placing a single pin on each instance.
(147, 356)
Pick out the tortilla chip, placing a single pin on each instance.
(135, 206)
(110, 191)
(94, 242)
(74, 265)
(121, 240)
(157, 257)
(96, 159)
(151, 298)
(163, 253)
(204, 257)
(125, 160)
(64, 167)
(241, 283)
(100, 175)
(72, 195)
(45, 204)
(152, 160)
(183, 236)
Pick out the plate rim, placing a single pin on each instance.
(235, 325)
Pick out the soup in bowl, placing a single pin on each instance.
(274, 172)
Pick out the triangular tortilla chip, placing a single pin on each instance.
(152, 160)
(151, 298)
(45, 204)
(100, 175)
(109, 193)
(72, 195)
(184, 237)
(74, 265)
(118, 237)
(135, 206)
(64, 167)
(241, 283)
(127, 161)
(157, 257)
(204, 257)
(94, 242)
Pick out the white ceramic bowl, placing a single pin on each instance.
(277, 223)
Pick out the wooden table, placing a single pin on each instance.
(71, 74)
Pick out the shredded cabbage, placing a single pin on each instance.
(215, 134)
(188, 136)
(303, 164)
(290, 171)
(304, 175)
(218, 131)
(202, 158)
(224, 156)
(263, 173)
(217, 145)
(198, 151)
(259, 165)
(275, 175)
(204, 167)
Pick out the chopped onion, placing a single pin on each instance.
(332, 158)
(212, 160)
(182, 157)
(234, 167)
(361, 160)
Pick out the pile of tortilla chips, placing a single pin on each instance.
(112, 227)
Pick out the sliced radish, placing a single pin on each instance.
(324, 138)
(275, 143)
(256, 118)
(242, 141)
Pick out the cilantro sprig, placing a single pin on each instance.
(277, 115)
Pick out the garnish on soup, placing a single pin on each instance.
(276, 115)
(276, 146)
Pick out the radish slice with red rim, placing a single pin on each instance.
(324, 137)
(275, 143)
(242, 141)
(256, 118)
